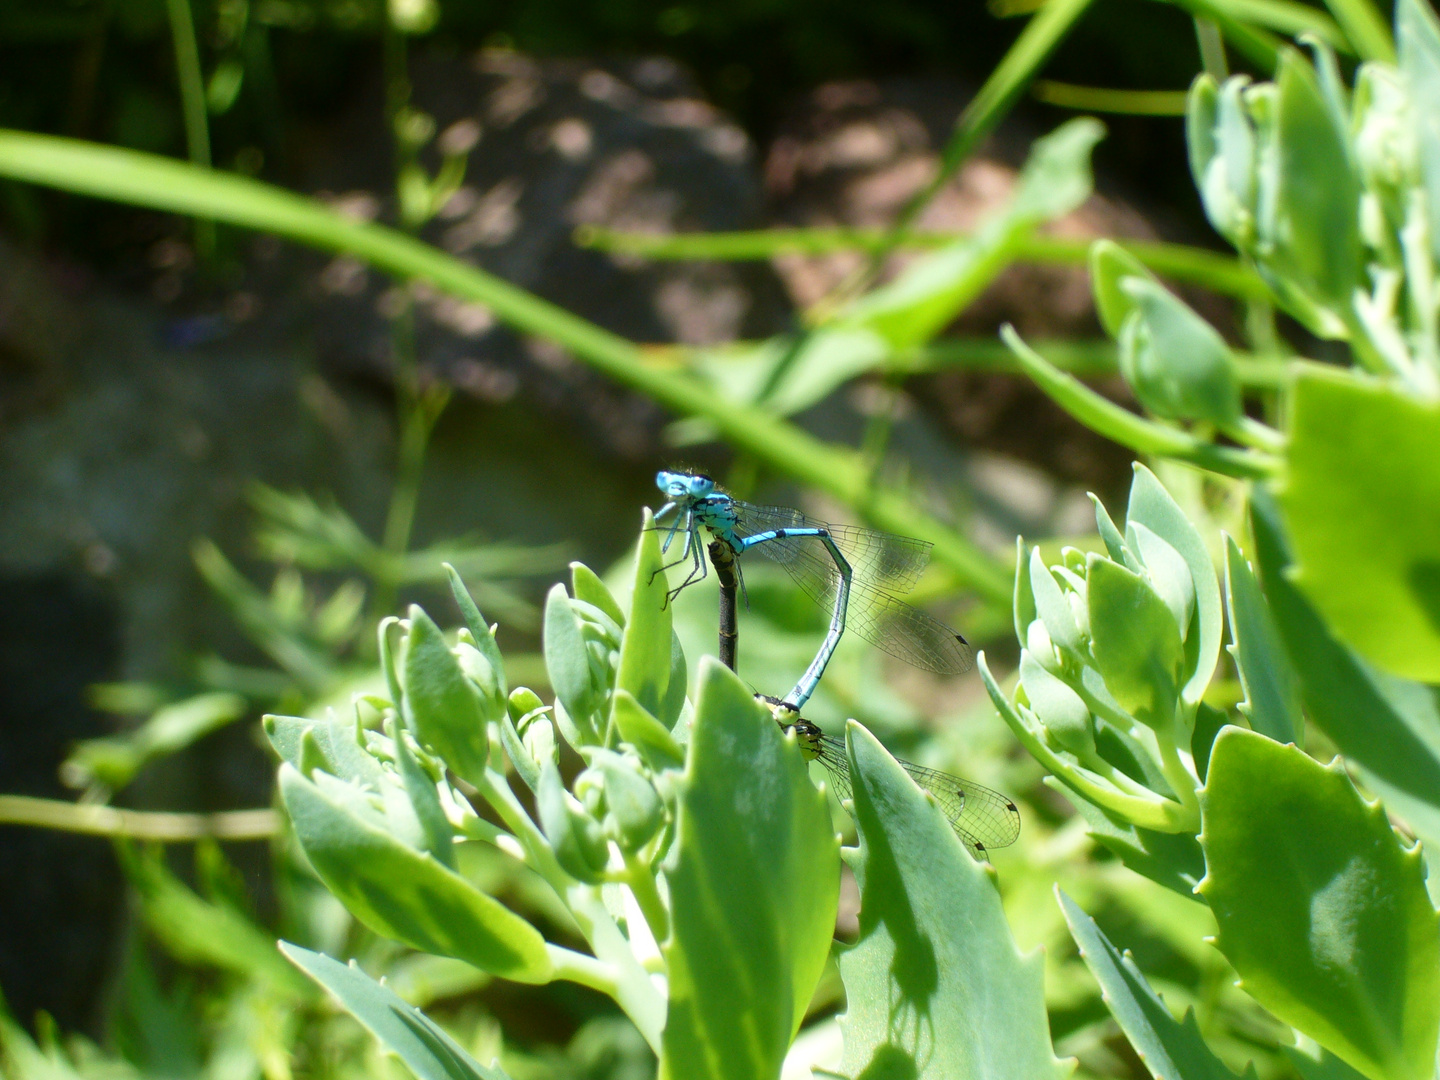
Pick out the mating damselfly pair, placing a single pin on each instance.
(855, 573)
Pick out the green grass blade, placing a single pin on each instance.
(1256, 44)
(1365, 27)
(1104, 99)
(1042, 34)
(1289, 18)
(1195, 266)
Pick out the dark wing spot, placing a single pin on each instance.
(979, 846)
(1011, 807)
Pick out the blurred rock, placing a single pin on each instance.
(553, 145)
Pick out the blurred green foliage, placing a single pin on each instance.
(464, 829)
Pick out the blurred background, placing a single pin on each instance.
(223, 456)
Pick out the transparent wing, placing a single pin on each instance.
(893, 563)
(887, 622)
(982, 818)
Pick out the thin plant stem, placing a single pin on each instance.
(1212, 48)
(647, 896)
(1104, 99)
(1197, 266)
(95, 820)
(192, 105)
(576, 967)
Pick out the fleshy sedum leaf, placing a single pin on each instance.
(753, 892)
(935, 985)
(1321, 909)
(1362, 503)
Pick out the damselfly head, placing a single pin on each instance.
(679, 486)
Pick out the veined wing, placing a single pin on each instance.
(888, 623)
(893, 563)
(982, 818)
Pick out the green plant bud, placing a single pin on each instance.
(1167, 572)
(1075, 596)
(480, 672)
(1136, 643)
(1223, 157)
(539, 740)
(590, 791)
(569, 661)
(1037, 640)
(1059, 708)
(522, 703)
(634, 808)
(443, 707)
(1387, 153)
(576, 838)
(1175, 362)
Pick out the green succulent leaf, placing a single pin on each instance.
(1272, 696)
(403, 894)
(576, 837)
(1023, 598)
(645, 652)
(442, 706)
(1135, 642)
(753, 891)
(479, 628)
(1329, 1067)
(587, 586)
(566, 657)
(1111, 536)
(1173, 860)
(1321, 909)
(1362, 502)
(1053, 608)
(1177, 364)
(1388, 727)
(935, 984)
(1170, 1049)
(1110, 265)
(425, 802)
(673, 703)
(1151, 505)
(1060, 709)
(631, 800)
(338, 745)
(1166, 571)
(1314, 226)
(647, 734)
(417, 1040)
